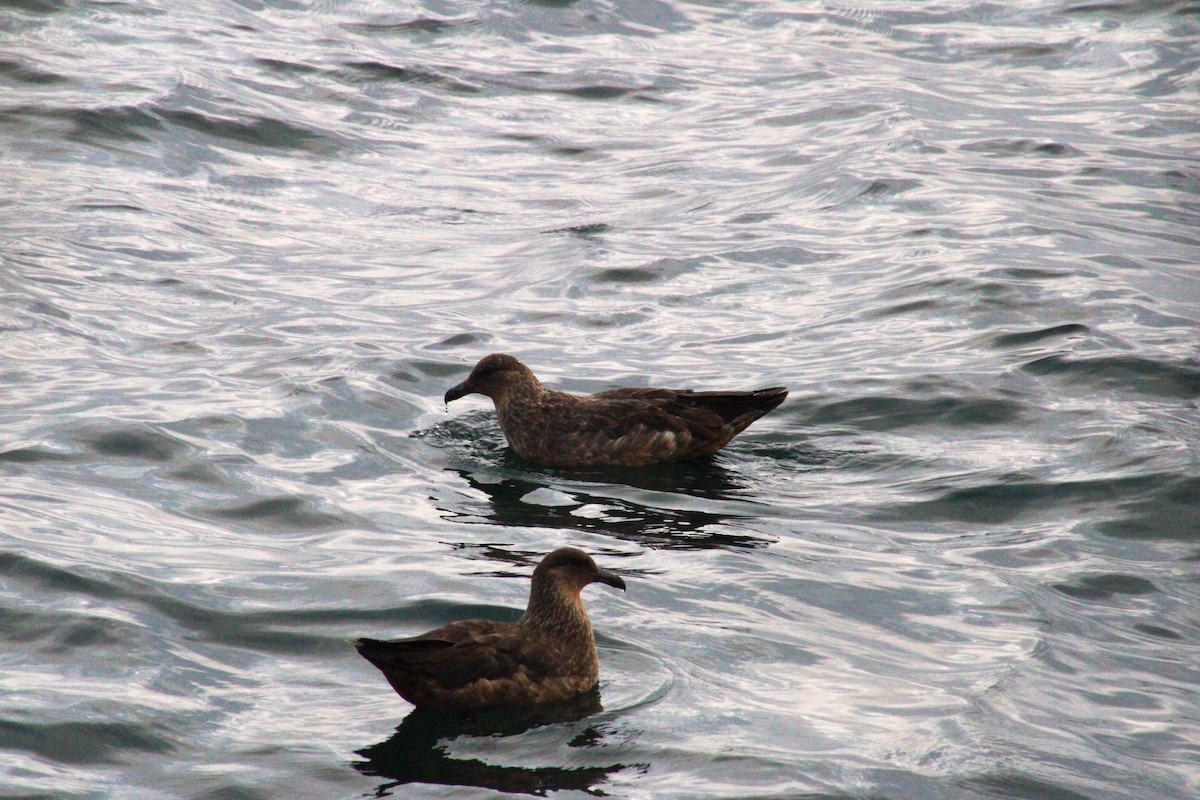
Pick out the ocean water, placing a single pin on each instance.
(246, 246)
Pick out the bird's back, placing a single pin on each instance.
(636, 426)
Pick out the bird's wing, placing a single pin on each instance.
(729, 406)
(665, 421)
(454, 655)
(640, 393)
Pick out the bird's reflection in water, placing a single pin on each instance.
(695, 504)
(661, 514)
(706, 477)
(418, 751)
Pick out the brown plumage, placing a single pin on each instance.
(547, 656)
(629, 427)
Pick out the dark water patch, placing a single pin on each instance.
(440, 80)
(584, 231)
(449, 371)
(787, 452)
(258, 131)
(1012, 786)
(1157, 631)
(1135, 701)
(1014, 147)
(43, 308)
(1135, 10)
(1183, 181)
(265, 637)
(60, 632)
(1022, 338)
(287, 67)
(778, 256)
(115, 124)
(740, 339)
(1009, 498)
(909, 307)
(265, 631)
(1105, 587)
(249, 184)
(577, 152)
(1154, 212)
(603, 321)
(146, 254)
(461, 340)
(37, 454)
(141, 442)
(24, 73)
(523, 137)
(110, 207)
(398, 377)
(1122, 373)
(826, 113)
(203, 473)
(84, 742)
(598, 91)
(178, 347)
(1033, 273)
(902, 611)
(37, 6)
(624, 21)
(752, 218)
(894, 413)
(240, 339)
(1152, 317)
(420, 25)
(286, 512)
(1169, 509)
(887, 188)
(50, 579)
(621, 275)
(1026, 51)
(1144, 178)
(1118, 261)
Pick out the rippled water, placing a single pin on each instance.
(247, 246)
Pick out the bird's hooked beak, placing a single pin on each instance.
(461, 390)
(610, 578)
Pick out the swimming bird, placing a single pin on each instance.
(629, 427)
(548, 655)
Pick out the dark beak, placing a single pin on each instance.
(462, 390)
(612, 579)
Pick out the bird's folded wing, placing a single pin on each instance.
(454, 660)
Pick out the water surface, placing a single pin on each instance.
(247, 246)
